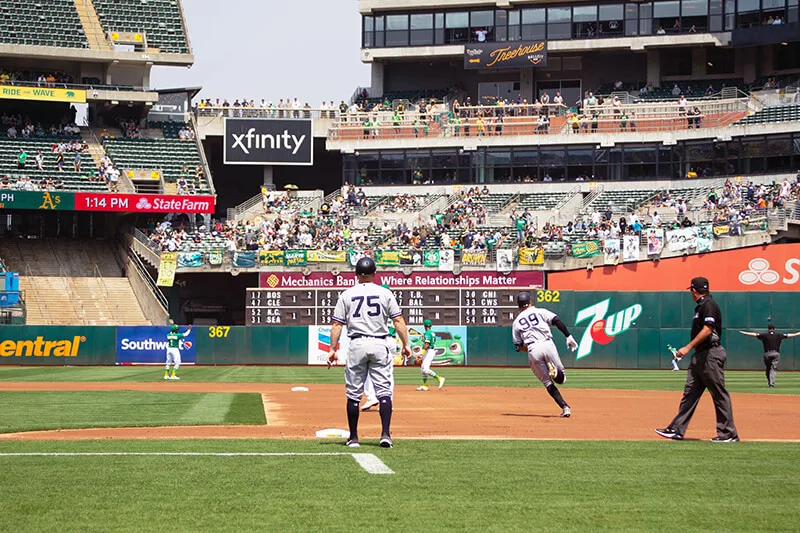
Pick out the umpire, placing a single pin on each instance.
(365, 309)
(706, 371)
(772, 349)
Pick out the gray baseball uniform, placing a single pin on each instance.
(532, 328)
(364, 310)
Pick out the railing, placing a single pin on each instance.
(71, 289)
(202, 152)
(151, 284)
(79, 86)
(567, 197)
(42, 309)
(141, 245)
(266, 112)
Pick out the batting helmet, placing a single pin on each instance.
(523, 299)
(365, 266)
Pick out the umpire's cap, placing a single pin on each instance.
(771, 327)
(699, 284)
(523, 299)
(365, 266)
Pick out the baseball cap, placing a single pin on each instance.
(771, 327)
(427, 323)
(174, 327)
(699, 284)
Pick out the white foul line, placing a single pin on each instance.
(369, 462)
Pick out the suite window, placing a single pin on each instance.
(396, 30)
(533, 24)
(611, 20)
(438, 28)
(793, 12)
(421, 29)
(730, 15)
(631, 20)
(748, 13)
(369, 27)
(481, 26)
(645, 19)
(715, 20)
(667, 16)
(558, 23)
(773, 9)
(694, 15)
(584, 22)
(514, 27)
(500, 25)
(456, 27)
(379, 40)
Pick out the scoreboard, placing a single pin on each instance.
(453, 307)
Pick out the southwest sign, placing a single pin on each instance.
(260, 141)
(43, 94)
(770, 268)
(505, 55)
(396, 279)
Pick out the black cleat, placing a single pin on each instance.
(386, 441)
(725, 439)
(669, 433)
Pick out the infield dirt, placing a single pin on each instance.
(452, 413)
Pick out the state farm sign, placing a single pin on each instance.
(143, 203)
(774, 267)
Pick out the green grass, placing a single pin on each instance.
(739, 381)
(438, 486)
(34, 410)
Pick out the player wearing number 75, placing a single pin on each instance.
(532, 334)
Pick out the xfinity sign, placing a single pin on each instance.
(265, 141)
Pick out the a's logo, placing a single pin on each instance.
(50, 201)
(273, 281)
(143, 204)
(602, 330)
(759, 271)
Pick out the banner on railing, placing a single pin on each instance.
(270, 258)
(611, 251)
(447, 260)
(387, 257)
(474, 258)
(655, 241)
(166, 269)
(582, 250)
(694, 238)
(318, 256)
(43, 94)
(354, 255)
(755, 224)
(190, 259)
(431, 258)
(295, 258)
(630, 248)
(215, 257)
(724, 229)
(244, 259)
(505, 260)
(531, 256)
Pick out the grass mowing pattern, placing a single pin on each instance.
(463, 485)
(749, 381)
(34, 410)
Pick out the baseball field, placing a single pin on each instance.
(234, 449)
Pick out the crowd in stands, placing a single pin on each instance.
(17, 126)
(25, 183)
(288, 108)
(41, 78)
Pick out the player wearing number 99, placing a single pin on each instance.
(364, 309)
(532, 334)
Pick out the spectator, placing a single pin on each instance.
(22, 159)
(39, 160)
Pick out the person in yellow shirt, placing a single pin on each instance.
(481, 124)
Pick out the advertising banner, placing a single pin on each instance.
(772, 268)
(411, 258)
(56, 345)
(47, 200)
(143, 203)
(295, 258)
(270, 257)
(190, 259)
(655, 241)
(396, 279)
(317, 256)
(147, 345)
(473, 258)
(531, 256)
(505, 55)
(387, 258)
(265, 141)
(166, 269)
(450, 345)
(582, 250)
(630, 248)
(724, 229)
(244, 259)
(611, 251)
(43, 94)
(215, 257)
(431, 258)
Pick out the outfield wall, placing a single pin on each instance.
(613, 329)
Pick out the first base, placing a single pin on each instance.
(333, 434)
(299, 389)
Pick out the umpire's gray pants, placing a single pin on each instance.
(706, 371)
(373, 357)
(771, 360)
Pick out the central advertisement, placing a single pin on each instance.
(480, 278)
(505, 55)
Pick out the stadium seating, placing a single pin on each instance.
(772, 114)
(622, 201)
(691, 88)
(539, 201)
(42, 23)
(170, 129)
(169, 155)
(160, 20)
(73, 181)
(494, 203)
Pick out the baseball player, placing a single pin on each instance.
(364, 309)
(173, 350)
(772, 349)
(531, 333)
(370, 399)
(427, 359)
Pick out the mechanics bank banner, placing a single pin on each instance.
(266, 141)
(523, 279)
(147, 345)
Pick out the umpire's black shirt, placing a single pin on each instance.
(772, 340)
(707, 313)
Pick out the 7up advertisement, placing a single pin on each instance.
(603, 327)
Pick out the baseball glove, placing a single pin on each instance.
(418, 360)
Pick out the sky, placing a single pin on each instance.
(273, 49)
